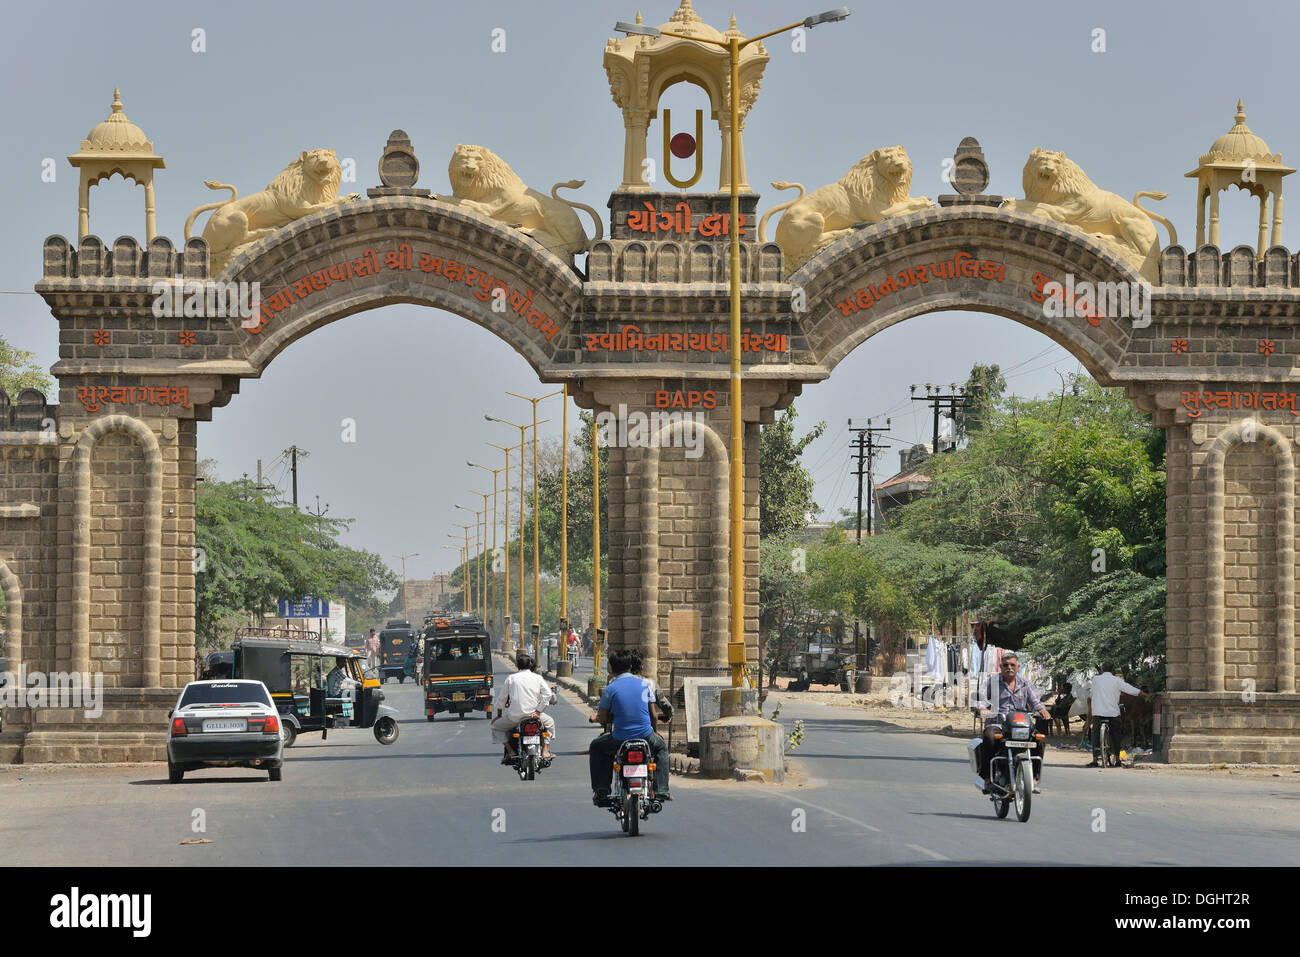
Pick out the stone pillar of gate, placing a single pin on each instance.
(1230, 563)
(667, 530)
(125, 569)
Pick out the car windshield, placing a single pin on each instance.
(225, 692)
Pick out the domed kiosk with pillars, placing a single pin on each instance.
(1240, 158)
(116, 146)
(97, 496)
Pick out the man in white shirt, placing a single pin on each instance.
(1103, 705)
(525, 693)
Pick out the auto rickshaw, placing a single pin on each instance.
(294, 667)
(457, 667)
(394, 650)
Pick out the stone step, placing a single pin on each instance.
(1187, 748)
(11, 746)
(97, 747)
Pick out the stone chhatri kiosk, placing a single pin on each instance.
(97, 539)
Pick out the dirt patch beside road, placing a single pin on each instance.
(959, 723)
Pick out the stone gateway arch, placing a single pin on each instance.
(97, 491)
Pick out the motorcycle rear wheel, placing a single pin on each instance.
(1023, 791)
(530, 770)
(1001, 806)
(632, 814)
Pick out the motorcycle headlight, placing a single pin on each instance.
(1020, 733)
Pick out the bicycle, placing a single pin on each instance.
(1109, 750)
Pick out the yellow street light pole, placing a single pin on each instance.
(406, 613)
(733, 45)
(505, 624)
(476, 599)
(537, 568)
(522, 484)
(457, 549)
(465, 574)
(595, 548)
(564, 525)
(485, 580)
(493, 579)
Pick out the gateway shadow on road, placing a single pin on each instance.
(592, 836)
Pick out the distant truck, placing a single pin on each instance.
(820, 664)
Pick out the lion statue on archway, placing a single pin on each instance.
(307, 185)
(483, 183)
(875, 188)
(1057, 188)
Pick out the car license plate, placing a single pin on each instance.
(635, 771)
(458, 696)
(226, 724)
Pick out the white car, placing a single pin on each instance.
(224, 723)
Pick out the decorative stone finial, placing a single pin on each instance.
(969, 176)
(398, 167)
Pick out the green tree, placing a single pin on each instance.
(18, 371)
(257, 549)
(785, 486)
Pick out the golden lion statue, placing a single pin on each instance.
(483, 183)
(874, 189)
(307, 185)
(1057, 189)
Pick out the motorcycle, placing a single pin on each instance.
(527, 759)
(632, 798)
(1013, 768)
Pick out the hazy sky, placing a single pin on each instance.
(278, 78)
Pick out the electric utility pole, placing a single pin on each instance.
(954, 400)
(868, 448)
(294, 454)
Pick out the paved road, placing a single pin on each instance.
(867, 794)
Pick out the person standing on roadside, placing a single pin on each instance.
(372, 650)
(1103, 705)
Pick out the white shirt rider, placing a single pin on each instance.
(525, 692)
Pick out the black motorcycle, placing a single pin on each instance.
(528, 736)
(632, 799)
(1014, 767)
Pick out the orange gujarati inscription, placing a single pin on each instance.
(1197, 402)
(404, 258)
(961, 265)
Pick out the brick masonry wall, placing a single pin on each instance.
(1250, 542)
(29, 475)
(117, 510)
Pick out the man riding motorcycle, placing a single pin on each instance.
(626, 701)
(524, 694)
(1005, 693)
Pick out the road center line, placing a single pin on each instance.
(927, 852)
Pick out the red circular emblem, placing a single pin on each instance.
(682, 145)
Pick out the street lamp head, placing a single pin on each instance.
(830, 16)
(640, 30)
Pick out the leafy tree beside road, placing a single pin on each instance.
(257, 549)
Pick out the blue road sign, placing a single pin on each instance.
(307, 607)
